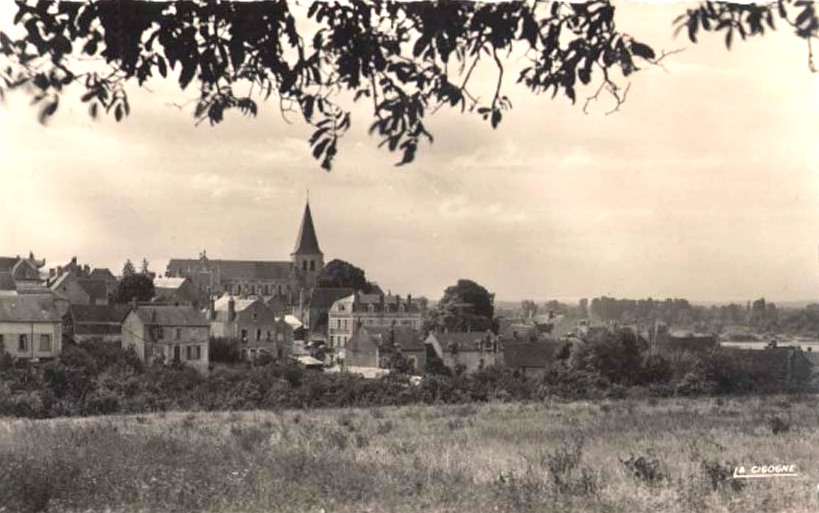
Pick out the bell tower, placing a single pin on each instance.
(307, 257)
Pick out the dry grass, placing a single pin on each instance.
(622, 456)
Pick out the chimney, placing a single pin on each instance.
(409, 300)
(231, 309)
(212, 309)
(74, 260)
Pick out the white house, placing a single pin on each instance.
(30, 326)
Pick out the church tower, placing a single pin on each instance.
(307, 257)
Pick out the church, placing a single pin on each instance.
(289, 281)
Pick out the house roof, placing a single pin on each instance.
(307, 242)
(230, 269)
(239, 304)
(28, 308)
(406, 338)
(98, 314)
(528, 354)
(96, 289)
(465, 340)
(6, 281)
(168, 283)
(102, 273)
(323, 298)
(6, 263)
(171, 316)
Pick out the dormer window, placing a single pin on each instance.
(402, 308)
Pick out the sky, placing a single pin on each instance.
(704, 185)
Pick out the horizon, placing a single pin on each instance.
(660, 199)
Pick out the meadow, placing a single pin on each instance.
(631, 455)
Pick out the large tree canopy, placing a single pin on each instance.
(407, 58)
(339, 273)
(465, 306)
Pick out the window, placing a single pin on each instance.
(244, 354)
(252, 354)
(304, 265)
(370, 308)
(255, 316)
(253, 289)
(45, 343)
(177, 333)
(2, 344)
(193, 352)
(244, 335)
(266, 290)
(22, 343)
(258, 335)
(268, 335)
(312, 265)
(238, 289)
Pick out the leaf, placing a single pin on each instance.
(48, 110)
(318, 149)
(93, 110)
(163, 68)
(496, 117)
(118, 112)
(642, 50)
(692, 29)
(188, 70)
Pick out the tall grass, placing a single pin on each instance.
(672, 455)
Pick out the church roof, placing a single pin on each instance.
(307, 242)
(238, 269)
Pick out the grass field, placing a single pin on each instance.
(671, 455)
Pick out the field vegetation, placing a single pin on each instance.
(647, 455)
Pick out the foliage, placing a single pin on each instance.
(223, 350)
(131, 286)
(340, 274)
(407, 59)
(465, 306)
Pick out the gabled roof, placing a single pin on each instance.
(98, 314)
(28, 308)
(171, 316)
(248, 269)
(168, 283)
(239, 304)
(404, 337)
(465, 340)
(307, 242)
(96, 289)
(102, 274)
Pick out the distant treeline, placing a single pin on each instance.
(760, 315)
(94, 380)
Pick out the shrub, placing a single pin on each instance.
(646, 468)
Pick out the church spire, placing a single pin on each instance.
(307, 242)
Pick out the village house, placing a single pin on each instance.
(95, 323)
(666, 340)
(375, 348)
(17, 271)
(168, 334)
(370, 311)
(470, 350)
(254, 325)
(30, 326)
(81, 290)
(289, 279)
(314, 311)
(178, 291)
(531, 358)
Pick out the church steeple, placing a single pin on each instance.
(307, 242)
(307, 256)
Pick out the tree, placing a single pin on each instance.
(338, 273)
(407, 59)
(132, 286)
(464, 306)
(128, 269)
(144, 268)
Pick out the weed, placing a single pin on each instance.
(719, 476)
(778, 425)
(646, 468)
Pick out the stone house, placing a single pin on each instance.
(472, 350)
(90, 323)
(81, 290)
(178, 291)
(30, 326)
(374, 348)
(253, 324)
(370, 311)
(168, 334)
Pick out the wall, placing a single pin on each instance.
(12, 330)
(133, 334)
